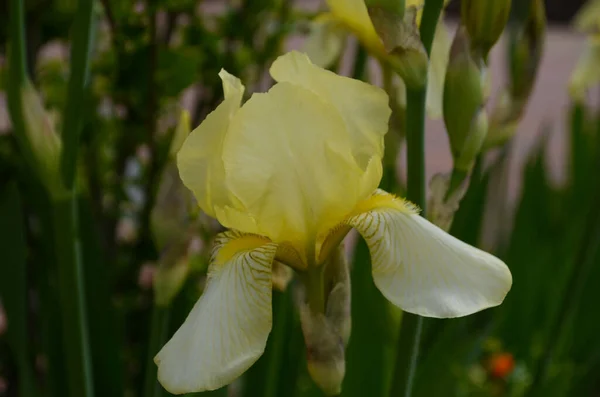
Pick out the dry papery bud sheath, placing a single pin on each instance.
(326, 333)
(401, 39)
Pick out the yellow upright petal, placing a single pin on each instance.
(422, 269)
(354, 14)
(227, 330)
(289, 162)
(363, 107)
(200, 161)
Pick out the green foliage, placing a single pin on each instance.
(145, 57)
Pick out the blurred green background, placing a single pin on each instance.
(534, 201)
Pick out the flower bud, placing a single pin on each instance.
(171, 272)
(485, 20)
(587, 19)
(325, 355)
(170, 214)
(327, 333)
(587, 72)
(43, 141)
(525, 52)
(504, 120)
(325, 41)
(464, 101)
(402, 41)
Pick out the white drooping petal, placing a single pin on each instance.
(226, 331)
(424, 270)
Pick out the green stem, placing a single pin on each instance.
(81, 48)
(158, 334)
(410, 331)
(17, 77)
(315, 288)
(72, 297)
(359, 68)
(17, 62)
(70, 265)
(278, 341)
(13, 284)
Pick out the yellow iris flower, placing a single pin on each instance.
(289, 173)
(587, 73)
(329, 32)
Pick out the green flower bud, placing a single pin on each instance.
(43, 141)
(525, 52)
(504, 120)
(172, 271)
(587, 72)
(485, 20)
(402, 41)
(464, 101)
(473, 142)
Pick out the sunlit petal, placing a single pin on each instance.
(422, 269)
(227, 329)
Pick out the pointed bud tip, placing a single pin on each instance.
(485, 20)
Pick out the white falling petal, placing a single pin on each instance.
(426, 271)
(226, 331)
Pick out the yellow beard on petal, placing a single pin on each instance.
(246, 243)
(384, 201)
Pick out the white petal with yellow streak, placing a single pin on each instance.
(226, 331)
(422, 269)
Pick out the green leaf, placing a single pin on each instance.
(263, 378)
(104, 329)
(371, 350)
(177, 69)
(13, 284)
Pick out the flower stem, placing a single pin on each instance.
(72, 297)
(17, 77)
(410, 331)
(158, 334)
(315, 289)
(81, 48)
(65, 213)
